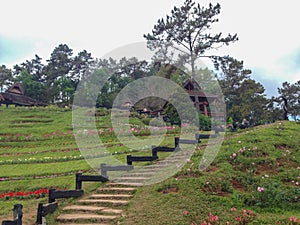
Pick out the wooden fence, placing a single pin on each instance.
(43, 210)
(17, 214)
(105, 168)
(88, 178)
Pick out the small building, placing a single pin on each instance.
(203, 98)
(15, 96)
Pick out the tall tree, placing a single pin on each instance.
(59, 66)
(34, 67)
(187, 29)
(80, 65)
(290, 99)
(243, 95)
(5, 77)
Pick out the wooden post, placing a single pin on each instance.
(39, 216)
(176, 142)
(103, 171)
(78, 181)
(205, 108)
(50, 197)
(44, 210)
(154, 152)
(18, 214)
(129, 162)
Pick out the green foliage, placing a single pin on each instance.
(205, 122)
(32, 88)
(289, 97)
(5, 77)
(243, 95)
(187, 27)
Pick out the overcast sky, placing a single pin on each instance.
(268, 31)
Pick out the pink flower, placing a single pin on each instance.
(238, 218)
(186, 212)
(260, 189)
(234, 155)
(212, 217)
(233, 209)
(293, 219)
(188, 160)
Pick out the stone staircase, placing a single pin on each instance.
(101, 208)
(107, 205)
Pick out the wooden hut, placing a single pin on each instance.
(203, 98)
(15, 96)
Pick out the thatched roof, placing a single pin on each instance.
(15, 96)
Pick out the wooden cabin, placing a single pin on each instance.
(15, 96)
(203, 99)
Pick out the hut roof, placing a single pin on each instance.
(16, 89)
(15, 95)
(189, 87)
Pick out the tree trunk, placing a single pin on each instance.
(197, 105)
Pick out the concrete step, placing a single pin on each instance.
(117, 189)
(131, 184)
(83, 208)
(83, 217)
(131, 179)
(104, 201)
(111, 210)
(139, 174)
(114, 196)
(96, 209)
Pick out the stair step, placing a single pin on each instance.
(110, 196)
(83, 208)
(118, 189)
(74, 217)
(95, 201)
(111, 210)
(131, 184)
(92, 209)
(130, 178)
(139, 174)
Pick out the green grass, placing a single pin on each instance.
(266, 156)
(231, 182)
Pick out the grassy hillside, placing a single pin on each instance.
(255, 178)
(256, 169)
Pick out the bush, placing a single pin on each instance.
(204, 123)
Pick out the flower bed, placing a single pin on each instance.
(25, 194)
